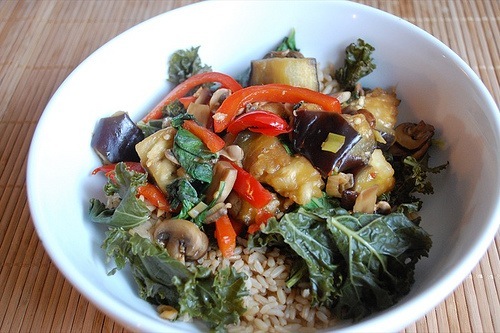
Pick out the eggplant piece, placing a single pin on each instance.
(311, 130)
(115, 137)
(297, 72)
(266, 159)
(155, 151)
(378, 173)
(384, 107)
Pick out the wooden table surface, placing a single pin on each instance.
(42, 41)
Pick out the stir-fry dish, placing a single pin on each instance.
(281, 200)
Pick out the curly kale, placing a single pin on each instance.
(358, 63)
(184, 64)
(412, 177)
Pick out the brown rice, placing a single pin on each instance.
(271, 305)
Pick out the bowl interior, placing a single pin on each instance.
(129, 74)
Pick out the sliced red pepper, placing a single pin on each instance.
(261, 218)
(154, 195)
(250, 188)
(185, 101)
(134, 166)
(281, 93)
(263, 122)
(183, 88)
(213, 142)
(225, 235)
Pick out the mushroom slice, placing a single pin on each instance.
(218, 97)
(413, 139)
(365, 202)
(223, 173)
(233, 153)
(182, 239)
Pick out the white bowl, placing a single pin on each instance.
(129, 73)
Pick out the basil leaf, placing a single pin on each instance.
(184, 195)
(193, 155)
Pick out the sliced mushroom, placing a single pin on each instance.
(365, 201)
(182, 239)
(216, 212)
(223, 173)
(218, 97)
(338, 183)
(284, 54)
(413, 139)
(233, 153)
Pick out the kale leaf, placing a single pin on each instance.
(131, 211)
(412, 177)
(356, 264)
(307, 235)
(215, 298)
(357, 64)
(184, 64)
(380, 253)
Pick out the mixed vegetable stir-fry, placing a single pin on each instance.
(285, 157)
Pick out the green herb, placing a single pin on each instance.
(131, 211)
(288, 43)
(175, 111)
(184, 64)
(195, 291)
(357, 64)
(182, 194)
(150, 127)
(193, 155)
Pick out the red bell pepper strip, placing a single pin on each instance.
(261, 218)
(185, 101)
(134, 166)
(183, 88)
(263, 122)
(282, 93)
(213, 142)
(250, 188)
(154, 195)
(225, 235)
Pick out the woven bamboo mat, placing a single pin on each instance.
(42, 41)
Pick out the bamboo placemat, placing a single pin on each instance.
(42, 41)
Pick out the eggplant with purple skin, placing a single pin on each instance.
(312, 131)
(115, 137)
